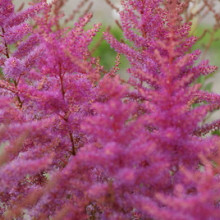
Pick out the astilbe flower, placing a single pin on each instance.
(80, 147)
(162, 73)
(46, 88)
(13, 120)
(145, 144)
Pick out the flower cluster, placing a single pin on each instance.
(80, 143)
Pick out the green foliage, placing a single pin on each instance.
(217, 132)
(104, 51)
(210, 44)
(215, 44)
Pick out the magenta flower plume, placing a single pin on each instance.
(78, 142)
(47, 89)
